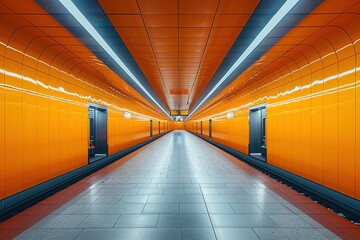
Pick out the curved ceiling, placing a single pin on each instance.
(178, 50)
(179, 44)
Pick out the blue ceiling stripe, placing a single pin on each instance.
(98, 18)
(261, 16)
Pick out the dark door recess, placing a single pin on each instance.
(159, 127)
(257, 122)
(151, 133)
(200, 127)
(98, 146)
(210, 128)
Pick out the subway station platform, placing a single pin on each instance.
(178, 187)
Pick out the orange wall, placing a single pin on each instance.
(179, 125)
(44, 94)
(313, 96)
(192, 127)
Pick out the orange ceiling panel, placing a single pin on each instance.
(225, 32)
(163, 41)
(231, 21)
(126, 20)
(185, 41)
(158, 7)
(194, 32)
(121, 7)
(237, 7)
(134, 32)
(197, 7)
(162, 32)
(161, 20)
(193, 41)
(196, 21)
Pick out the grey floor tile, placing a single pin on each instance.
(184, 220)
(273, 208)
(231, 191)
(117, 191)
(126, 208)
(88, 199)
(193, 208)
(131, 234)
(69, 208)
(161, 208)
(235, 234)
(108, 199)
(241, 220)
(134, 199)
(183, 198)
(220, 199)
(212, 185)
(219, 208)
(245, 208)
(146, 186)
(99, 221)
(170, 185)
(61, 234)
(198, 234)
(174, 191)
(191, 185)
(288, 220)
(95, 208)
(209, 191)
(193, 190)
(137, 221)
(63, 221)
(150, 191)
(289, 233)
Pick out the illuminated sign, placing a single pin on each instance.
(127, 115)
(184, 112)
(230, 115)
(174, 113)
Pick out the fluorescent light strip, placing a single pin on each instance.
(288, 5)
(75, 12)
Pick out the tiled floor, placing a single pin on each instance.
(178, 187)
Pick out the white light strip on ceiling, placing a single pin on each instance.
(75, 12)
(288, 5)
